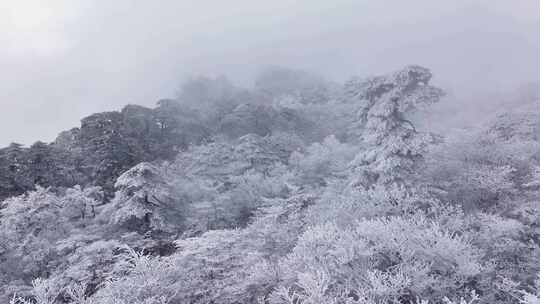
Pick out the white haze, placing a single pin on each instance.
(62, 60)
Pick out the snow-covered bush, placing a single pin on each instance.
(381, 259)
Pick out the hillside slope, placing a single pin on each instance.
(277, 195)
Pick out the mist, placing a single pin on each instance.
(269, 152)
(63, 60)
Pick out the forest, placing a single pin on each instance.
(298, 190)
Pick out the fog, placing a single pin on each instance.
(62, 60)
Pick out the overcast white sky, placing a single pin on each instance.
(62, 60)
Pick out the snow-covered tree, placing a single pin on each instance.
(392, 145)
